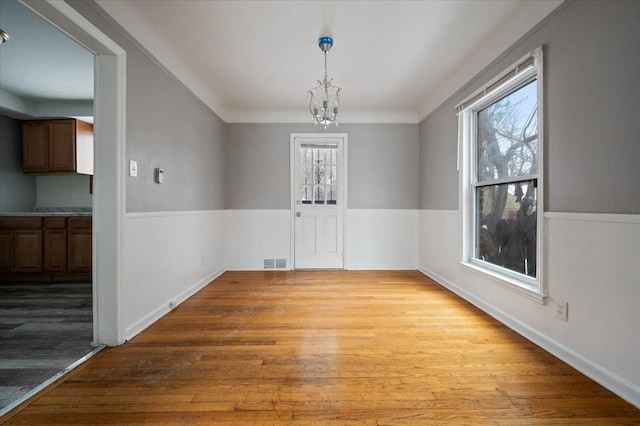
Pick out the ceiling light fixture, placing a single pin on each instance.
(4, 37)
(324, 101)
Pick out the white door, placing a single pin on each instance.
(318, 195)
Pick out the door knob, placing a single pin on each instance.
(298, 214)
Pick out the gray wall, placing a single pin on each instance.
(63, 191)
(17, 190)
(592, 129)
(167, 127)
(382, 165)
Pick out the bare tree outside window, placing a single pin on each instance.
(506, 182)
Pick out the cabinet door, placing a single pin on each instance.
(79, 250)
(62, 145)
(35, 147)
(28, 251)
(6, 251)
(55, 250)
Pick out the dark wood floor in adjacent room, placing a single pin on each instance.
(326, 348)
(44, 328)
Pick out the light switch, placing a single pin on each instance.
(133, 168)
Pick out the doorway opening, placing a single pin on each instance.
(108, 184)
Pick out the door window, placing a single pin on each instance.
(319, 167)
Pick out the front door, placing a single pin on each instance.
(318, 194)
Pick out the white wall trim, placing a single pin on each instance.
(110, 141)
(168, 257)
(594, 217)
(382, 239)
(254, 235)
(605, 377)
(303, 117)
(146, 215)
(505, 282)
(138, 326)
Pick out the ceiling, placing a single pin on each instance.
(40, 63)
(253, 61)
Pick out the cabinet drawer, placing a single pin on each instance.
(20, 222)
(55, 222)
(79, 222)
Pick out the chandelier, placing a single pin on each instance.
(324, 101)
(4, 37)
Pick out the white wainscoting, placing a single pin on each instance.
(255, 235)
(382, 239)
(591, 261)
(375, 239)
(167, 258)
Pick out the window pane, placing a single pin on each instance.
(506, 226)
(318, 194)
(507, 137)
(332, 193)
(306, 194)
(331, 175)
(319, 174)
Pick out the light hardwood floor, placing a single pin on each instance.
(326, 348)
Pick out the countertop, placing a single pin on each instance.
(51, 211)
(43, 214)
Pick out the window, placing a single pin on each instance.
(319, 173)
(501, 146)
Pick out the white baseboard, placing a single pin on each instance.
(144, 322)
(381, 267)
(603, 376)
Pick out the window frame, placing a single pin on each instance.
(518, 75)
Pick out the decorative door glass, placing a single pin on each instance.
(319, 174)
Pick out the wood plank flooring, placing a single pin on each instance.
(44, 328)
(326, 348)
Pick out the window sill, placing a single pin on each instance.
(506, 282)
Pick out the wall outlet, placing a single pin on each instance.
(562, 310)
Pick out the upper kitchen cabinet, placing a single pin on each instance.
(57, 146)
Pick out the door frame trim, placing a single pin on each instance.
(292, 188)
(109, 199)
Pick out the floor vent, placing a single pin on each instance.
(269, 263)
(281, 263)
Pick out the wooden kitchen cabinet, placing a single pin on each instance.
(57, 146)
(21, 244)
(79, 258)
(55, 244)
(35, 147)
(6, 251)
(49, 248)
(28, 250)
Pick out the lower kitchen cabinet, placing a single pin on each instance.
(6, 251)
(55, 244)
(79, 258)
(28, 250)
(46, 247)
